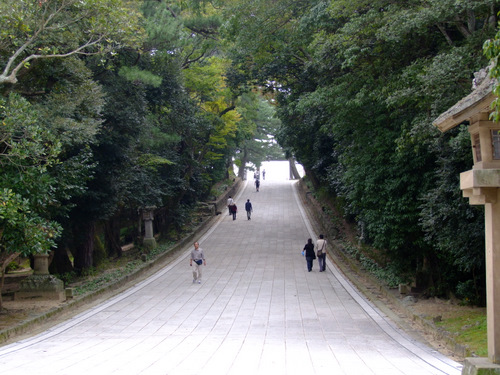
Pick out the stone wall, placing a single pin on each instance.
(221, 203)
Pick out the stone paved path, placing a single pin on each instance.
(257, 311)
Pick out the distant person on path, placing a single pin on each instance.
(257, 184)
(230, 202)
(198, 258)
(248, 209)
(234, 209)
(264, 174)
(309, 254)
(321, 252)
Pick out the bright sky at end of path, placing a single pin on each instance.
(278, 170)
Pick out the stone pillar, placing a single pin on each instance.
(482, 187)
(492, 233)
(41, 266)
(149, 241)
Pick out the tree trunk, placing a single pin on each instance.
(471, 21)
(492, 21)
(84, 245)
(241, 170)
(112, 236)
(445, 34)
(312, 177)
(229, 165)
(294, 173)
(4, 265)
(60, 262)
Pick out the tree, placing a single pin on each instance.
(188, 30)
(256, 131)
(491, 49)
(27, 151)
(34, 30)
(61, 108)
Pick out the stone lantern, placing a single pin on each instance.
(149, 241)
(481, 185)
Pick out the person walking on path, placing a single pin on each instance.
(321, 252)
(248, 209)
(234, 209)
(198, 258)
(309, 254)
(257, 184)
(230, 202)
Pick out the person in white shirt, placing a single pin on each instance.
(321, 252)
(230, 202)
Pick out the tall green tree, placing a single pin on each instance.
(47, 29)
(27, 150)
(40, 46)
(256, 131)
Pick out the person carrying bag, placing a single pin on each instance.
(321, 252)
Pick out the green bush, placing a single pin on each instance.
(67, 277)
(12, 266)
(467, 293)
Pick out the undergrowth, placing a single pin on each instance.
(96, 279)
(385, 274)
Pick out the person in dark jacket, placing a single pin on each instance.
(309, 254)
(234, 209)
(248, 208)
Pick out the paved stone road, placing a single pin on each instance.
(257, 311)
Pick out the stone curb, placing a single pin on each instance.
(350, 267)
(117, 286)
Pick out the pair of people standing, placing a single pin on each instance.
(320, 253)
(233, 209)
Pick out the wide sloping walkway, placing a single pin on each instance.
(257, 311)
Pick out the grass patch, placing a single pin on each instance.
(469, 329)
